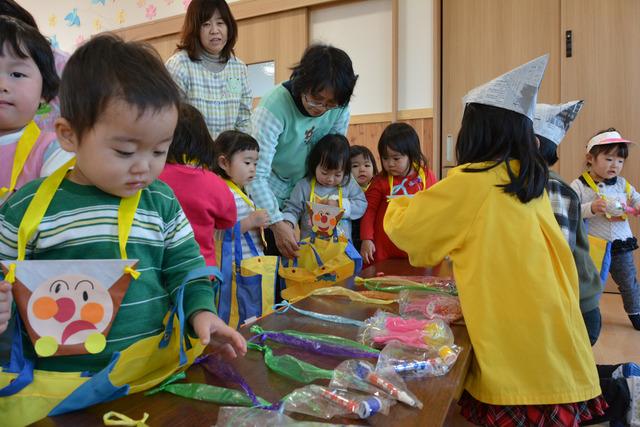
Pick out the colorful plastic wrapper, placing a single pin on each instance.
(430, 305)
(440, 285)
(231, 416)
(328, 345)
(352, 295)
(323, 402)
(291, 367)
(423, 333)
(333, 318)
(411, 362)
(360, 375)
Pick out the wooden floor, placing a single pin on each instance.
(618, 342)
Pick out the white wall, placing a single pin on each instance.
(415, 54)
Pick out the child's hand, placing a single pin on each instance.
(259, 218)
(367, 250)
(599, 206)
(5, 305)
(329, 202)
(226, 341)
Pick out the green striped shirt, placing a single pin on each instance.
(82, 222)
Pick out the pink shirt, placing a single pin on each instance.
(206, 200)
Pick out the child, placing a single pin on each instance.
(514, 271)
(404, 173)
(328, 181)
(212, 78)
(28, 78)
(189, 163)
(363, 169)
(550, 124)
(237, 156)
(119, 109)
(603, 193)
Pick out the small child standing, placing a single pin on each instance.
(363, 169)
(604, 194)
(328, 182)
(492, 217)
(404, 173)
(119, 109)
(236, 159)
(28, 78)
(189, 163)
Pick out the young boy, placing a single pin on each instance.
(119, 109)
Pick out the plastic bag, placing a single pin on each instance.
(231, 416)
(384, 327)
(411, 362)
(360, 375)
(430, 305)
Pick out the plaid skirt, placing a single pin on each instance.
(565, 415)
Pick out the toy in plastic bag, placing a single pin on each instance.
(323, 402)
(384, 327)
(430, 305)
(231, 416)
(360, 375)
(411, 362)
(442, 285)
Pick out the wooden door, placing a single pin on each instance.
(484, 39)
(604, 70)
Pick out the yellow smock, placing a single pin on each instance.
(517, 282)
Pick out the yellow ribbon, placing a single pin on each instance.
(233, 187)
(423, 179)
(40, 203)
(312, 196)
(113, 418)
(23, 149)
(594, 187)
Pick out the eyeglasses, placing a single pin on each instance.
(315, 104)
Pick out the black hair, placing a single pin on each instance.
(361, 150)
(107, 68)
(26, 42)
(229, 143)
(331, 152)
(324, 67)
(548, 150)
(14, 10)
(496, 135)
(402, 138)
(192, 142)
(199, 12)
(620, 149)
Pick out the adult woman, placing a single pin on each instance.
(289, 121)
(212, 78)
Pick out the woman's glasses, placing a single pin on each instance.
(315, 104)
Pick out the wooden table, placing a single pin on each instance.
(168, 410)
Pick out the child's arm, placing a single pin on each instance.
(256, 219)
(226, 213)
(354, 201)
(590, 206)
(210, 329)
(565, 205)
(635, 198)
(375, 195)
(5, 305)
(294, 207)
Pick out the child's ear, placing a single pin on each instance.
(223, 163)
(66, 135)
(590, 158)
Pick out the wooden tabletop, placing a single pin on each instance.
(168, 410)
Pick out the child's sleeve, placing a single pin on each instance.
(182, 255)
(243, 121)
(375, 195)
(223, 203)
(635, 197)
(585, 203)
(431, 178)
(294, 207)
(355, 202)
(434, 223)
(566, 209)
(9, 224)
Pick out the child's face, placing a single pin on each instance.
(20, 90)
(242, 167)
(395, 163)
(124, 151)
(329, 177)
(361, 169)
(605, 165)
(213, 34)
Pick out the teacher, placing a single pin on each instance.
(288, 121)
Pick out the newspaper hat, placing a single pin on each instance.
(553, 121)
(516, 90)
(612, 137)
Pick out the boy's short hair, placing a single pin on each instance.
(548, 150)
(26, 41)
(107, 68)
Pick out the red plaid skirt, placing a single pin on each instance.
(565, 415)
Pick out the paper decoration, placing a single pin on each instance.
(72, 18)
(150, 12)
(553, 121)
(68, 306)
(324, 218)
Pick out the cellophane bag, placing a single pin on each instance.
(384, 327)
(411, 362)
(430, 305)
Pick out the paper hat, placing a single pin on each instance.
(553, 121)
(516, 90)
(606, 138)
